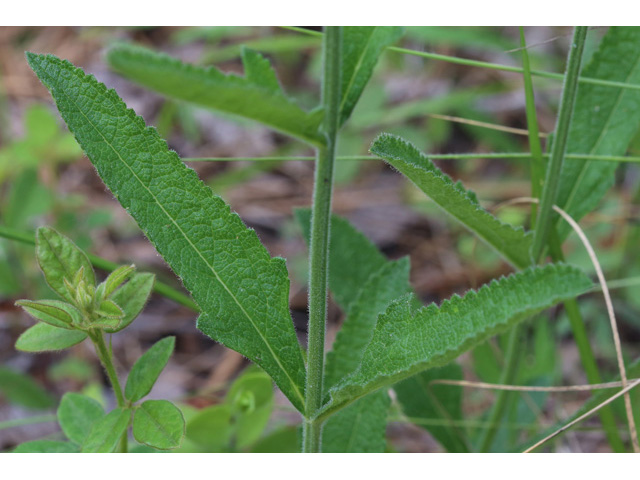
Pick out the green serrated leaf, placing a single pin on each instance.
(243, 292)
(359, 428)
(604, 122)
(208, 87)
(147, 369)
(132, 297)
(382, 287)
(54, 312)
(60, 258)
(20, 389)
(46, 446)
(407, 341)
(435, 407)
(76, 414)
(159, 424)
(44, 338)
(511, 242)
(258, 70)
(106, 432)
(361, 47)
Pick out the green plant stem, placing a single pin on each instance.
(587, 358)
(106, 359)
(103, 264)
(434, 156)
(319, 244)
(492, 66)
(552, 179)
(537, 173)
(537, 161)
(511, 357)
(20, 422)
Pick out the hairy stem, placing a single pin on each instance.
(104, 354)
(319, 244)
(552, 180)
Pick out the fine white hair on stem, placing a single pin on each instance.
(612, 318)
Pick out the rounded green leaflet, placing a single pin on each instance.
(146, 370)
(76, 414)
(106, 432)
(60, 258)
(43, 337)
(159, 424)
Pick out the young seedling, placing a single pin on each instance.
(89, 311)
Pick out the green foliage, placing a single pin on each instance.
(239, 421)
(512, 243)
(359, 428)
(604, 122)
(106, 432)
(132, 297)
(407, 341)
(54, 312)
(257, 96)
(59, 259)
(76, 414)
(46, 446)
(146, 370)
(361, 47)
(21, 390)
(242, 291)
(440, 404)
(43, 337)
(158, 424)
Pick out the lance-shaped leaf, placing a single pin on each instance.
(407, 341)
(605, 120)
(242, 291)
(511, 242)
(132, 297)
(43, 337)
(54, 312)
(148, 368)
(255, 96)
(361, 47)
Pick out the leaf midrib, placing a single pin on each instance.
(273, 354)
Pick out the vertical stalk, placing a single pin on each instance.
(537, 161)
(104, 354)
(319, 244)
(552, 180)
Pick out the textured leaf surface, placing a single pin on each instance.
(60, 258)
(407, 341)
(511, 242)
(76, 414)
(159, 424)
(254, 96)
(605, 120)
(243, 292)
(361, 47)
(53, 312)
(106, 432)
(147, 369)
(382, 287)
(46, 446)
(435, 407)
(43, 337)
(359, 428)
